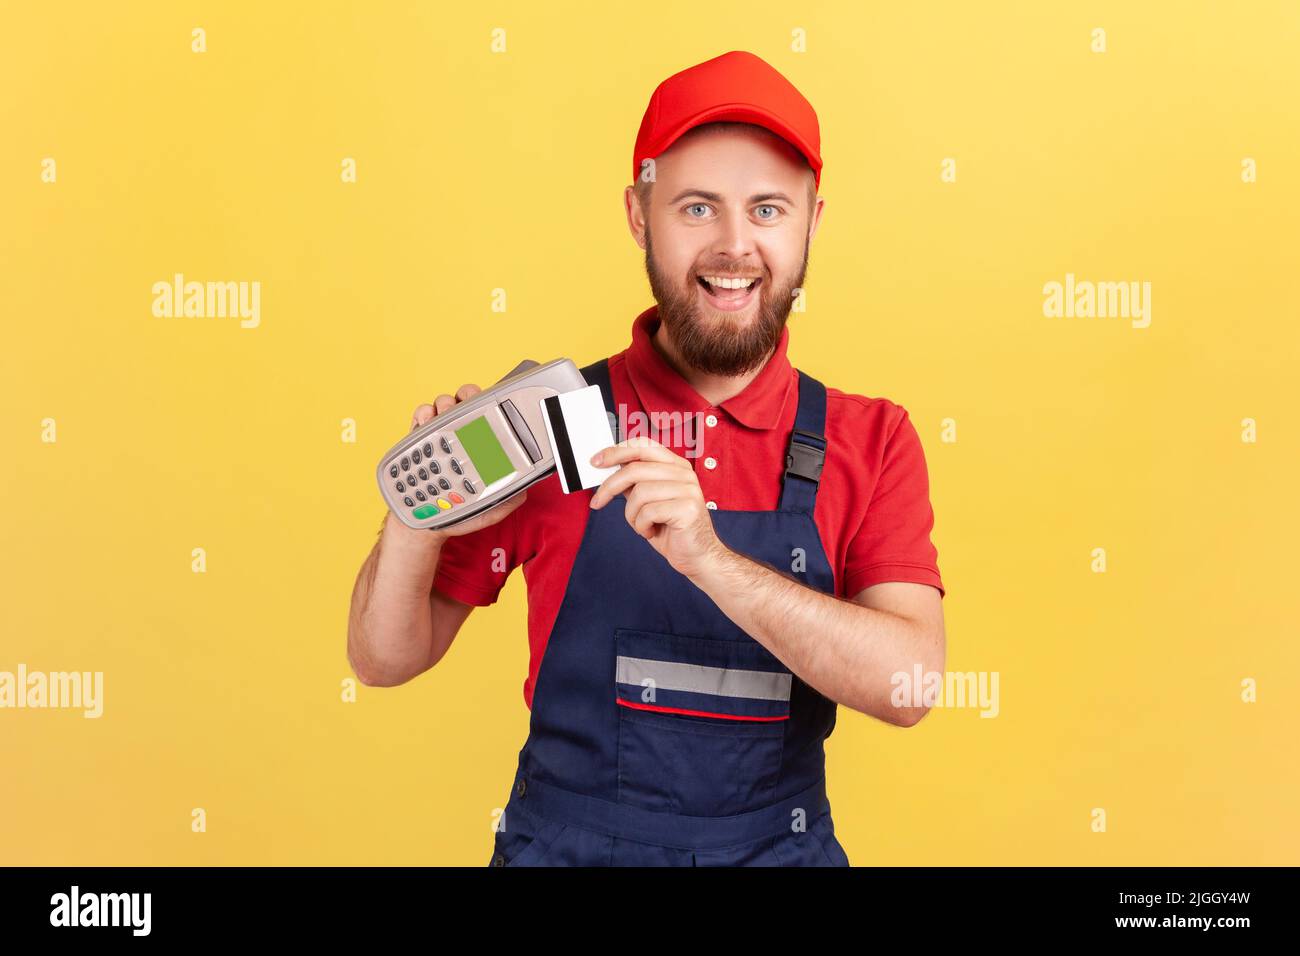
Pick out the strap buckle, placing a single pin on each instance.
(804, 459)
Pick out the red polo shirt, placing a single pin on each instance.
(873, 503)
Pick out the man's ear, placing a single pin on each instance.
(635, 215)
(817, 210)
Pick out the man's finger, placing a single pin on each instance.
(422, 415)
(656, 512)
(647, 492)
(635, 449)
(629, 475)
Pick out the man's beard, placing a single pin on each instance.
(725, 348)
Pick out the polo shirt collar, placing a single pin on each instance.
(660, 387)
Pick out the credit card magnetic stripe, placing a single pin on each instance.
(563, 446)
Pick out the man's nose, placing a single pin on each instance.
(735, 239)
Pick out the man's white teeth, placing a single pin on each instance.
(722, 283)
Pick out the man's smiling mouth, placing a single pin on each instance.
(728, 293)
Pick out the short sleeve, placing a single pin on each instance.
(473, 568)
(893, 542)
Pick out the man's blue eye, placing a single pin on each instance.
(697, 205)
(774, 210)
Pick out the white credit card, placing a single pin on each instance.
(578, 427)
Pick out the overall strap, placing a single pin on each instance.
(807, 448)
(597, 373)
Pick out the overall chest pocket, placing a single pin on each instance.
(702, 722)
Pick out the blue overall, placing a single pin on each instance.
(661, 734)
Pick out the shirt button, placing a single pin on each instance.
(710, 463)
(522, 788)
(711, 505)
(711, 420)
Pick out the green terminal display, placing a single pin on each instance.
(484, 450)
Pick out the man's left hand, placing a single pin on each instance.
(664, 502)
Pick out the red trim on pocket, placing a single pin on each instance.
(692, 713)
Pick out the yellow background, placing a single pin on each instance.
(480, 171)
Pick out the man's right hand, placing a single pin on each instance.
(424, 414)
(398, 624)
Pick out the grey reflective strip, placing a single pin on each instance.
(697, 679)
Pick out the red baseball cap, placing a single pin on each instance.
(734, 86)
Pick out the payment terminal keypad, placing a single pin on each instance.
(418, 476)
